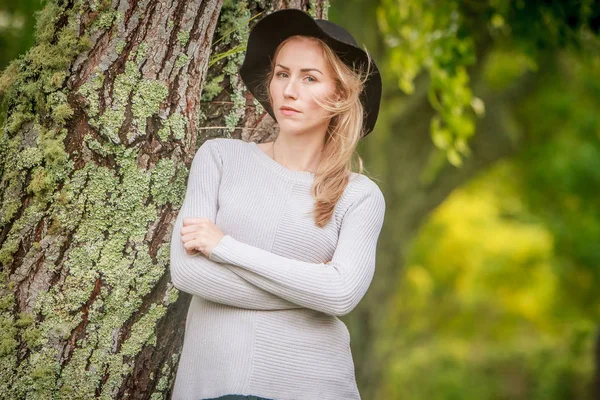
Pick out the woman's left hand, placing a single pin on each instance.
(200, 234)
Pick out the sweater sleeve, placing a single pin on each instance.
(196, 274)
(334, 288)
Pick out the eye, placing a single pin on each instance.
(311, 78)
(279, 73)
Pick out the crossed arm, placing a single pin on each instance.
(196, 274)
(245, 276)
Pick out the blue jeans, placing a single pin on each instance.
(238, 396)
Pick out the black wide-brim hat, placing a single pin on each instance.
(270, 31)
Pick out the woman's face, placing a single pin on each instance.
(301, 73)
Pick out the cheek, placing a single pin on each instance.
(322, 95)
(274, 90)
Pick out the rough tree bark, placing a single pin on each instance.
(103, 119)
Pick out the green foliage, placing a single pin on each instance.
(475, 316)
(16, 30)
(499, 296)
(440, 38)
(505, 65)
(429, 35)
(561, 173)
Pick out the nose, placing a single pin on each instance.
(289, 90)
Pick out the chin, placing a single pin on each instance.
(293, 127)
(291, 131)
(297, 127)
(289, 125)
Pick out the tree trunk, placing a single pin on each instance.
(103, 119)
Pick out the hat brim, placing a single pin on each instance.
(270, 31)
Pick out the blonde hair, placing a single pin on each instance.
(343, 133)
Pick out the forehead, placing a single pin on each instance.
(301, 52)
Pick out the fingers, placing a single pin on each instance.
(187, 229)
(190, 246)
(191, 228)
(191, 221)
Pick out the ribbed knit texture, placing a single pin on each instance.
(264, 320)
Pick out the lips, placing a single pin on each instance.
(286, 108)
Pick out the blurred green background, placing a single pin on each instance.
(498, 294)
(495, 294)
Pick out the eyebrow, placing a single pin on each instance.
(302, 70)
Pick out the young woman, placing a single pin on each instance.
(277, 240)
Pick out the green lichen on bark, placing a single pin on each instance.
(148, 95)
(140, 53)
(107, 211)
(32, 145)
(164, 382)
(13, 176)
(312, 8)
(175, 124)
(31, 88)
(89, 91)
(31, 216)
(113, 117)
(258, 108)
(107, 245)
(29, 157)
(120, 46)
(233, 30)
(212, 88)
(106, 19)
(168, 183)
(143, 331)
(183, 37)
(59, 107)
(181, 61)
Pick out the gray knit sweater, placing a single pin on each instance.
(263, 319)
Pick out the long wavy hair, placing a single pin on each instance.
(343, 133)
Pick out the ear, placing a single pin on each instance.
(338, 96)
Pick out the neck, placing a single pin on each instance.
(297, 156)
